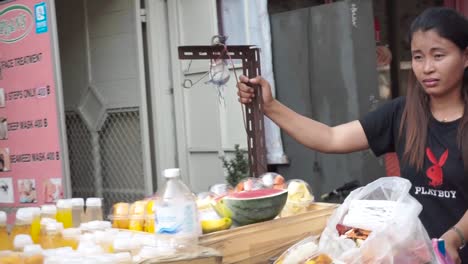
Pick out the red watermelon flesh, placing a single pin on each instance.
(255, 194)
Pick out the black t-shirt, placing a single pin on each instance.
(441, 186)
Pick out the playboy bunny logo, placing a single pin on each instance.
(435, 173)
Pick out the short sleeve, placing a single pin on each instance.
(381, 126)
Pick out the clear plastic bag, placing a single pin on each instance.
(386, 209)
(299, 252)
(304, 252)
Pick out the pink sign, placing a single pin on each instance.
(30, 158)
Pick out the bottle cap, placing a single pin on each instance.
(77, 201)
(92, 226)
(121, 244)
(21, 241)
(49, 209)
(112, 231)
(93, 201)
(105, 225)
(89, 248)
(171, 173)
(71, 233)
(64, 203)
(3, 218)
(24, 215)
(35, 211)
(31, 250)
(46, 220)
(54, 227)
(86, 238)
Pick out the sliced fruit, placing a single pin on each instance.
(255, 206)
(220, 208)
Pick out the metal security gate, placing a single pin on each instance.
(80, 153)
(107, 163)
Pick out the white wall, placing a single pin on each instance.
(111, 58)
(113, 52)
(205, 128)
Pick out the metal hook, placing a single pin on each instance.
(189, 84)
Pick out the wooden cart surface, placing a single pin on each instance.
(257, 243)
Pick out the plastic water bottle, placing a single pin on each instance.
(176, 214)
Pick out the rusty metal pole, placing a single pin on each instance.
(250, 56)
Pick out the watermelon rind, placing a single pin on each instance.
(244, 211)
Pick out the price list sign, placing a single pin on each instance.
(31, 168)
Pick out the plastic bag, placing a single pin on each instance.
(305, 251)
(386, 209)
(299, 252)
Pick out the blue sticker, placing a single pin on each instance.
(40, 12)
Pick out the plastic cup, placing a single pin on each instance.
(137, 216)
(119, 215)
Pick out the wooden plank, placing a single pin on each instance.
(259, 242)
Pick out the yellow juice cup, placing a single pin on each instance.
(35, 224)
(6, 242)
(10, 257)
(149, 217)
(23, 222)
(71, 237)
(64, 212)
(137, 216)
(119, 215)
(53, 238)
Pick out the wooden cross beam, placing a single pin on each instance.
(250, 57)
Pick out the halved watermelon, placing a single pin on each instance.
(255, 206)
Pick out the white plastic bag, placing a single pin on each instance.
(299, 252)
(303, 251)
(385, 208)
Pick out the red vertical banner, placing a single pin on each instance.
(31, 168)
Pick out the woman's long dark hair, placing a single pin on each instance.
(453, 26)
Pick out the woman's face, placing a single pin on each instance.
(437, 63)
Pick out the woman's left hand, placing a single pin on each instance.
(452, 244)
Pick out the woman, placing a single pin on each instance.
(428, 129)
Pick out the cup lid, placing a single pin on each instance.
(30, 250)
(71, 232)
(77, 201)
(3, 218)
(35, 211)
(21, 241)
(121, 244)
(51, 227)
(171, 173)
(24, 214)
(64, 203)
(49, 209)
(46, 220)
(93, 201)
